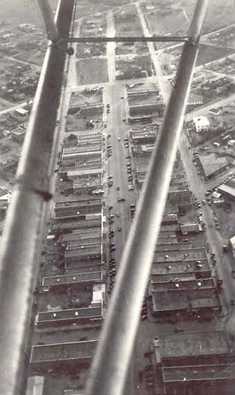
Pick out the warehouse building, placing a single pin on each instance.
(195, 363)
(73, 355)
(87, 316)
(60, 283)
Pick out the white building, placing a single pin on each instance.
(201, 124)
(232, 243)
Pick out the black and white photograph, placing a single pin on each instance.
(117, 197)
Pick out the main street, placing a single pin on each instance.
(116, 129)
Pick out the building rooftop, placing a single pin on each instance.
(193, 344)
(198, 373)
(83, 172)
(84, 243)
(86, 224)
(172, 277)
(91, 182)
(183, 284)
(63, 351)
(190, 300)
(78, 203)
(82, 148)
(81, 237)
(190, 227)
(211, 164)
(69, 314)
(194, 254)
(175, 268)
(69, 279)
(84, 250)
(78, 154)
(227, 189)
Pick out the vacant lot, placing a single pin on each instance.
(224, 38)
(92, 71)
(166, 21)
(135, 67)
(87, 97)
(208, 54)
(220, 13)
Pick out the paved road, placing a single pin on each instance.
(13, 108)
(115, 119)
(164, 85)
(110, 48)
(25, 62)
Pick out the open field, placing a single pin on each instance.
(225, 66)
(135, 67)
(92, 71)
(224, 38)
(220, 13)
(209, 53)
(164, 21)
(86, 97)
(18, 11)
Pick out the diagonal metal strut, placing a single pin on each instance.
(110, 365)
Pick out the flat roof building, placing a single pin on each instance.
(80, 223)
(75, 208)
(83, 253)
(83, 173)
(187, 255)
(212, 165)
(85, 316)
(183, 284)
(227, 190)
(189, 347)
(198, 363)
(187, 304)
(59, 355)
(75, 280)
(200, 270)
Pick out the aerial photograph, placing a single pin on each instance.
(117, 197)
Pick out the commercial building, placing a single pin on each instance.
(84, 185)
(75, 355)
(156, 109)
(80, 223)
(195, 363)
(188, 304)
(35, 385)
(143, 136)
(84, 253)
(227, 190)
(75, 155)
(178, 268)
(189, 228)
(201, 124)
(87, 316)
(212, 165)
(232, 244)
(68, 209)
(61, 283)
